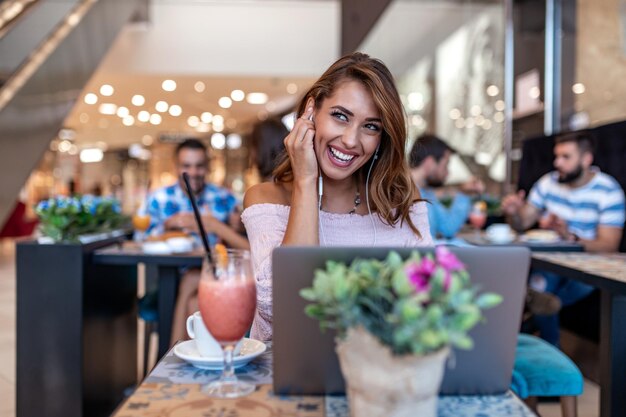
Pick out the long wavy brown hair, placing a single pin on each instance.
(392, 191)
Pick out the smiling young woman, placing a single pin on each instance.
(346, 147)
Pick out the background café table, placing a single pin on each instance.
(608, 273)
(173, 388)
(164, 269)
(533, 245)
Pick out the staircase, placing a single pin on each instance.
(48, 52)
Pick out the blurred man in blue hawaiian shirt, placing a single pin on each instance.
(170, 208)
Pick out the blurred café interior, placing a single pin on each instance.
(95, 95)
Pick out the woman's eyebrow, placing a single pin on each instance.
(349, 113)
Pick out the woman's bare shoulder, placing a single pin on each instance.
(266, 193)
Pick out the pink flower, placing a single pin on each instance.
(447, 259)
(449, 262)
(419, 274)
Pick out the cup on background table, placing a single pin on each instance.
(500, 233)
(206, 344)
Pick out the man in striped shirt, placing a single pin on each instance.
(581, 204)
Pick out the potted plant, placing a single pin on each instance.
(396, 320)
(71, 219)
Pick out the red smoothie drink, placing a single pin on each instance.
(227, 307)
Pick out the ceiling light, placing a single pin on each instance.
(143, 116)
(292, 88)
(91, 98)
(107, 108)
(206, 117)
(578, 88)
(122, 111)
(199, 86)
(534, 92)
(218, 141)
(155, 119)
(176, 110)
(218, 120)
(193, 121)
(169, 85)
(492, 90)
(256, 98)
(416, 101)
(147, 140)
(498, 117)
(270, 106)
(73, 150)
(218, 128)
(106, 90)
(499, 105)
(455, 114)
(237, 95)
(475, 110)
(138, 100)
(91, 155)
(225, 102)
(64, 146)
(233, 141)
(128, 120)
(161, 106)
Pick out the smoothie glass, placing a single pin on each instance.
(227, 301)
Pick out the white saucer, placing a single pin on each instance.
(504, 239)
(188, 352)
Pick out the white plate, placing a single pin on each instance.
(156, 248)
(501, 239)
(540, 239)
(188, 352)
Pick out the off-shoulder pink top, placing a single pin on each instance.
(266, 225)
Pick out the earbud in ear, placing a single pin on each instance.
(376, 153)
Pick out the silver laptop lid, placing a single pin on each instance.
(304, 358)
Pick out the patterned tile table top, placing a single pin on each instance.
(174, 389)
(607, 265)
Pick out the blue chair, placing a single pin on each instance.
(542, 370)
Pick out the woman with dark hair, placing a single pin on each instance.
(267, 146)
(344, 180)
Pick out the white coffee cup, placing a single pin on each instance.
(500, 233)
(205, 343)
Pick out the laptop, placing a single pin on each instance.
(305, 362)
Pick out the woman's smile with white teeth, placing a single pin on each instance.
(340, 155)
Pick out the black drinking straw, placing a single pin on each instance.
(196, 213)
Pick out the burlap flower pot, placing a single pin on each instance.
(379, 384)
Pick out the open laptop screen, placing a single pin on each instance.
(304, 358)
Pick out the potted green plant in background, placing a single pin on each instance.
(396, 320)
(79, 219)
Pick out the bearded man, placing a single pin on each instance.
(578, 202)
